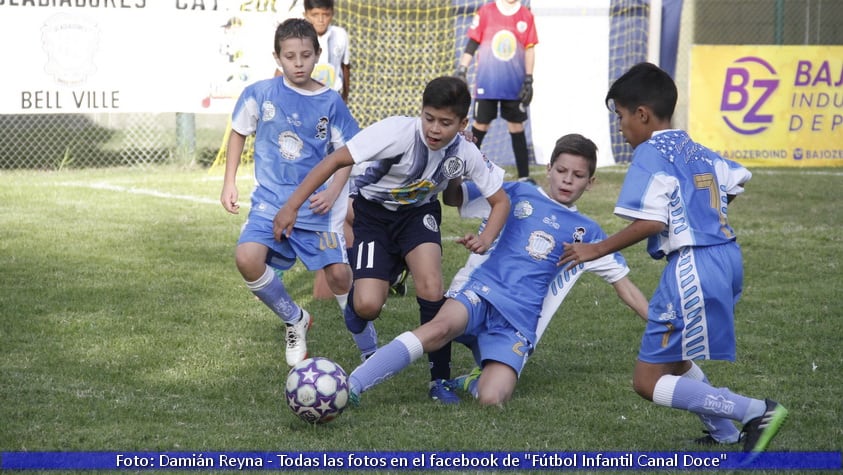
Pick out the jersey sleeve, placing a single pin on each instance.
(244, 119)
(610, 268)
(385, 138)
(645, 193)
(487, 176)
(732, 176)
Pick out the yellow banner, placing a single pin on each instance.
(768, 105)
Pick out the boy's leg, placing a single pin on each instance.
(496, 384)
(720, 429)
(425, 261)
(321, 289)
(408, 347)
(338, 279)
(761, 419)
(515, 117)
(362, 331)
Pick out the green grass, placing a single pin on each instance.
(125, 326)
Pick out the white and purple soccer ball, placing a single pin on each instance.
(317, 390)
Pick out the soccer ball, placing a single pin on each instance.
(317, 390)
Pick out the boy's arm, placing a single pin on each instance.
(229, 194)
(500, 204)
(286, 216)
(632, 296)
(636, 231)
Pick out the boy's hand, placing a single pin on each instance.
(577, 253)
(473, 243)
(321, 203)
(526, 94)
(282, 224)
(229, 197)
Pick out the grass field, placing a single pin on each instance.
(126, 326)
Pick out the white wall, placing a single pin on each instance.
(571, 74)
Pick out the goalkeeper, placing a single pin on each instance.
(503, 36)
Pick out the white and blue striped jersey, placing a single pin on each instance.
(611, 268)
(684, 185)
(399, 169)
(294, 130)
(335, 53)
(522, 270)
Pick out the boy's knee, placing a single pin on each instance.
(493, 396)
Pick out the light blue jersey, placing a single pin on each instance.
(684, 185)
(294, 130)
(516, 276)
(611, 268)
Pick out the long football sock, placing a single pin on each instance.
(720, 428)
(478, 135)
(362, 331)
(522, 155)
(386, 362)
(702, 398)
(439, 361)
(271, 291)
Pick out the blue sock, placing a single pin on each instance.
(386, 362)
(367, 340)
(271, 291)
(720, 428)
(702, 398)
(362, 331)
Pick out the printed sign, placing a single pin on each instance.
(769, 105)
(86, 56)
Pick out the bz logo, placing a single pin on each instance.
(745, 95)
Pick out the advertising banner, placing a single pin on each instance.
(83, 56)
(768, 105)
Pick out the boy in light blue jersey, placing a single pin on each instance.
(497, 324)
(297, 121)
(676, 193)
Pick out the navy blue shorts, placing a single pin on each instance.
(382, 237)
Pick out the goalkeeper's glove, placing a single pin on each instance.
(461, 72)
(526, 94)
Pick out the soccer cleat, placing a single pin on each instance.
(758, 432)
(399, 287)
(464, 382)
(439, 391)
(297, 339)
(353, 399)
(710, 441)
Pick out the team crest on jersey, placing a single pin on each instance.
(322, 128)
(523, 209)
(504, 45)
(521, 26)
(430, 223)
(268, 111)
(453, 167)
(290, 145)
(540, 244)
(578, 234)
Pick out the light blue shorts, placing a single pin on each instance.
(490, 336)
(692, 313)
(316, 249)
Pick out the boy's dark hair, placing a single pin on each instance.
(448, 92)
(295, 28)
(311, 4)
(576, 144)
(645, 84)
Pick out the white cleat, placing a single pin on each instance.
(297, 339)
